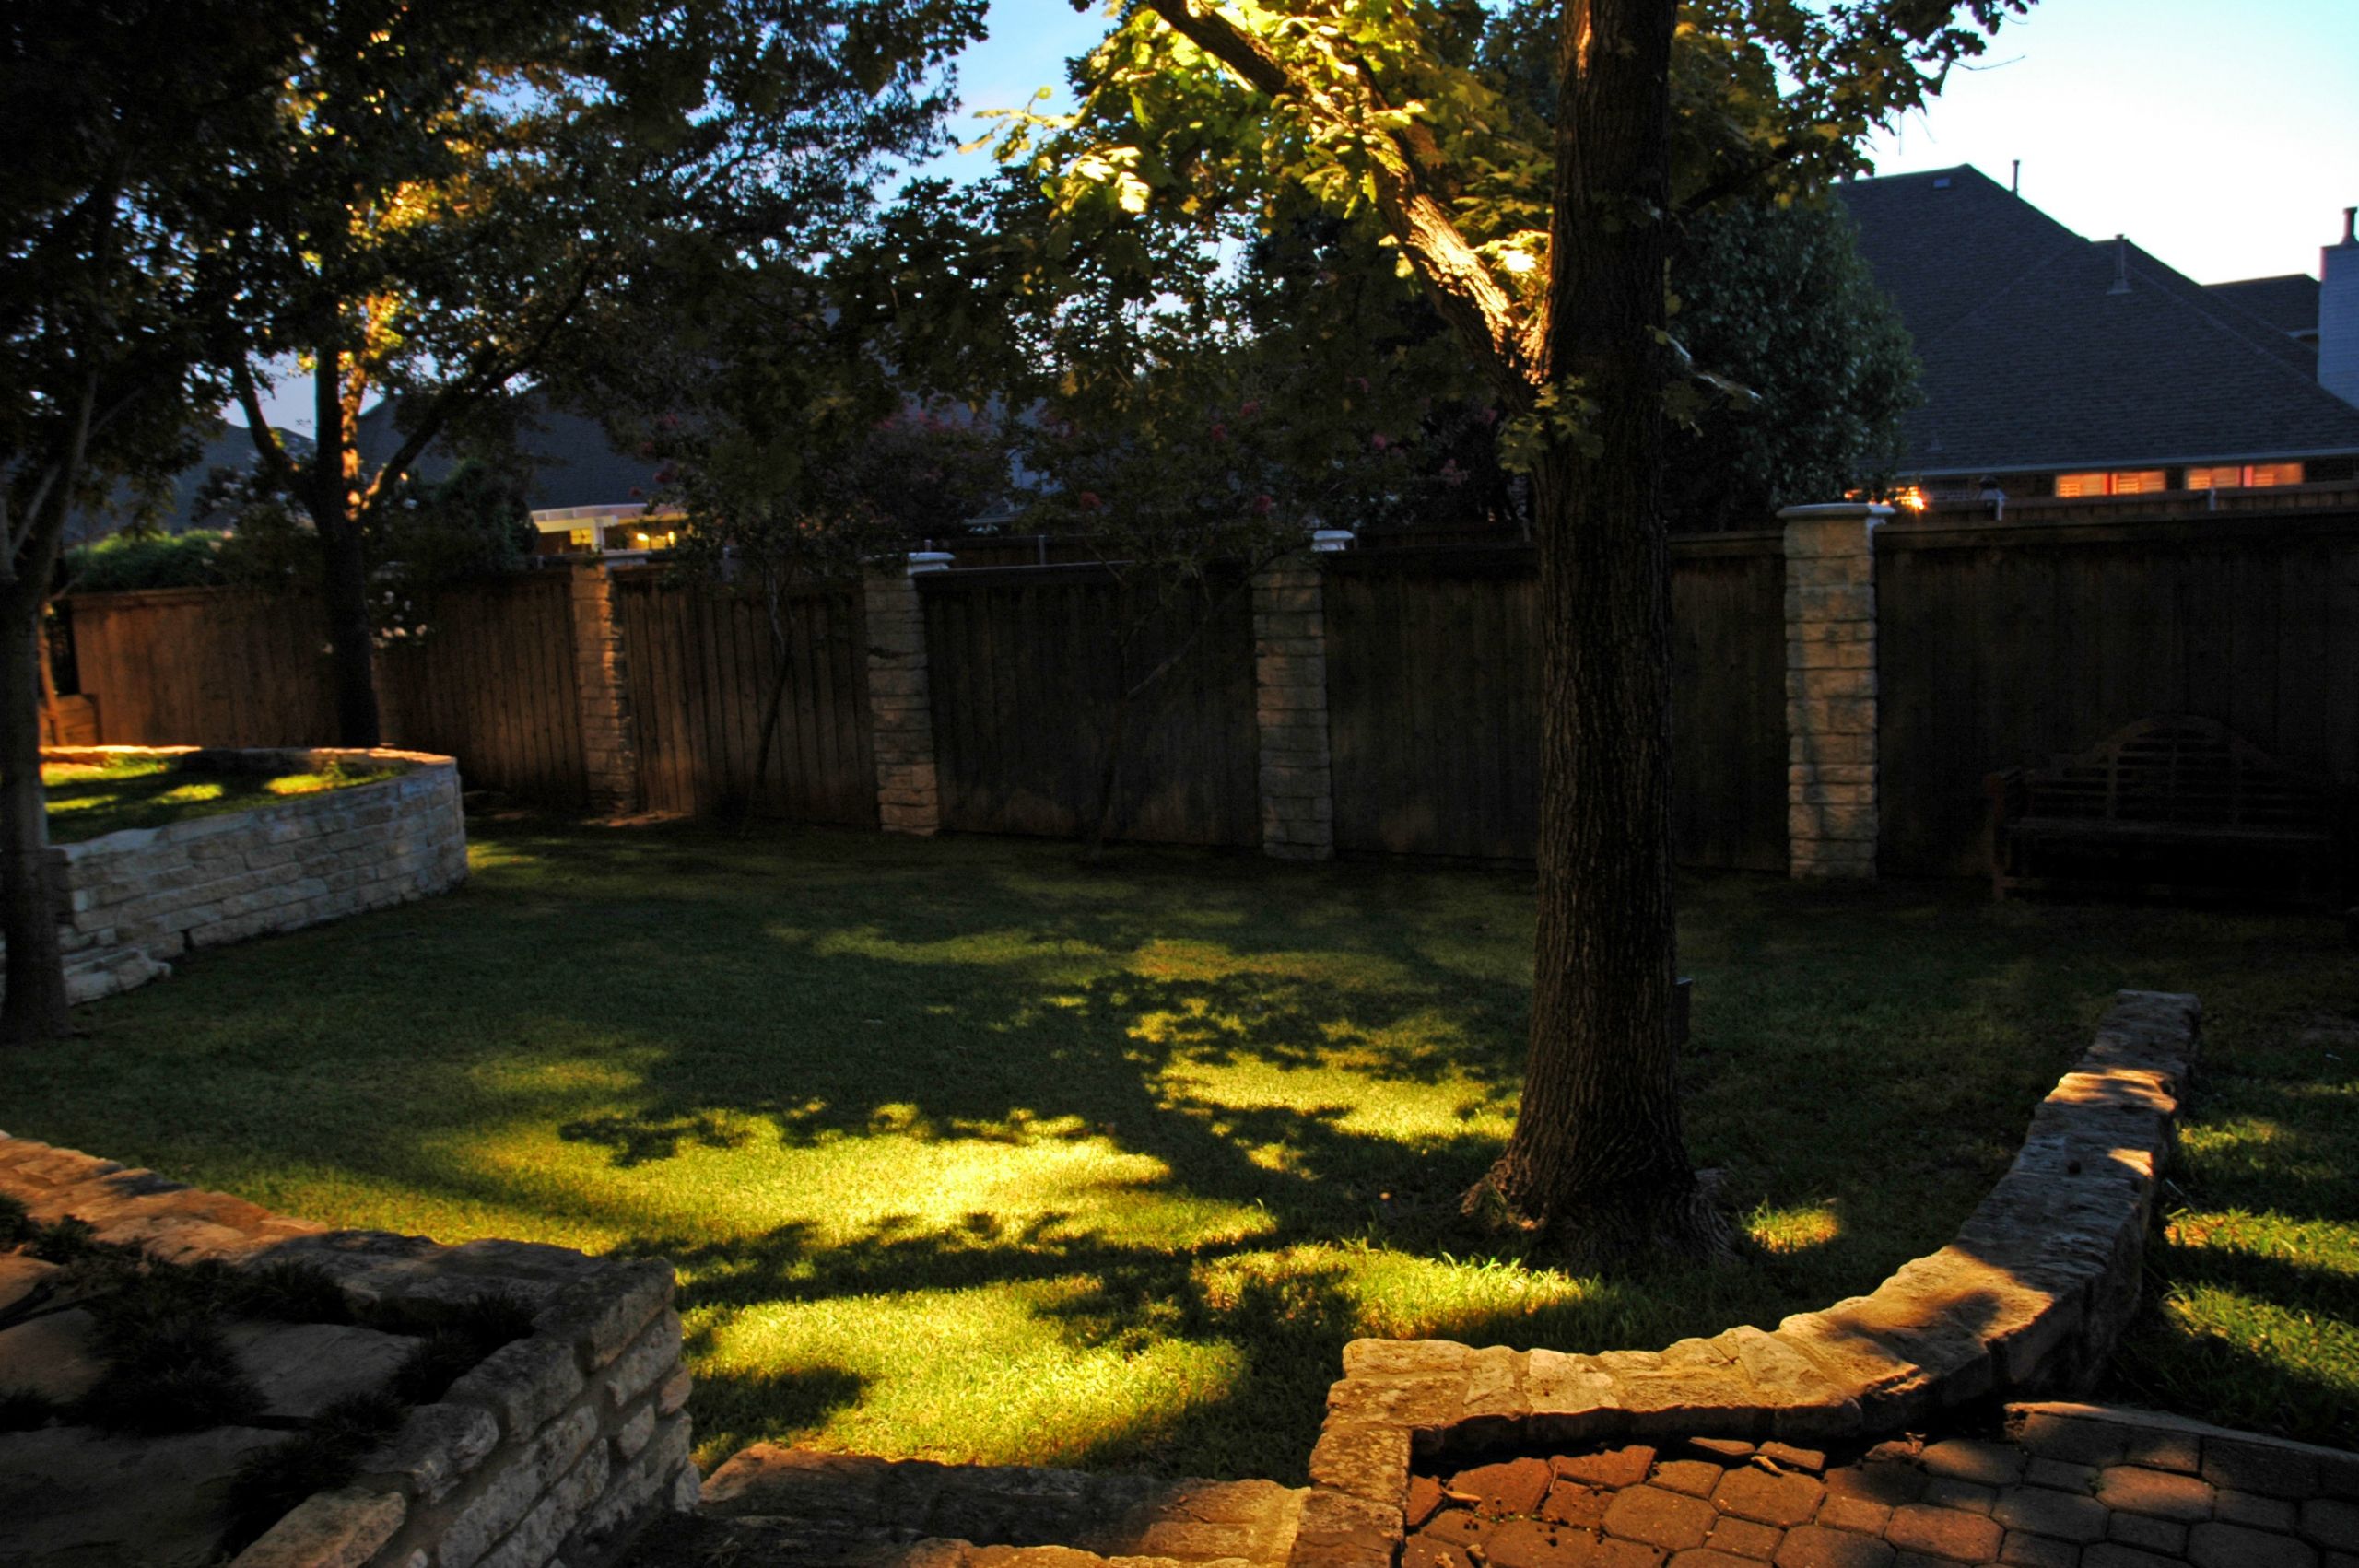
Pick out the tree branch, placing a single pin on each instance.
(1460, 284)
(490, 371)
(266, 444)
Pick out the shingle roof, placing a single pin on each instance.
(2032, 360)
(573, 463)
(2289, 303)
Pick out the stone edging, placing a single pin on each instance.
(557, 1446)
(2028, 1300)
(132, 901)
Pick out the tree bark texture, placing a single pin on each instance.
(333, 500)
(34, 1006)
(1597, 1162)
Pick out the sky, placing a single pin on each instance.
(2222, 137)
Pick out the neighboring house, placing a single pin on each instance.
(2057, 366)
(584, 494)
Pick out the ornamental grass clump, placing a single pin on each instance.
(271, 1483)
(456, 1339)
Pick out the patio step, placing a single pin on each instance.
(777, 1507)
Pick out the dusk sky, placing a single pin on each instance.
(2223, 139)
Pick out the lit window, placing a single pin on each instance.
(2123, 482)
(2251, 476)
(581, 539)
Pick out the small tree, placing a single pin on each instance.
(1186, 472)
(1774, 298)
(545, 163)
(791, 447)
(117, 115)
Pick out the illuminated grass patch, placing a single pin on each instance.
(88, 801)
(965, 1152)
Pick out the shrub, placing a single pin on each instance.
(125, 562)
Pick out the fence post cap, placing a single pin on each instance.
(922, 561)
(1326, 541)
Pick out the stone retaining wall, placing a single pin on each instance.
(555, 1448)
(135, 900)
(2026, 1301)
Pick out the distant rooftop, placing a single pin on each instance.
(2043, 349)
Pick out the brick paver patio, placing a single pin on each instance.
(2059, 1487)
(2054, 1486)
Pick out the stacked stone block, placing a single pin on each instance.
(130, 902)
(1290, 709)
(555, 1448)
(900, 706)
(1831, 689)
(602, 680)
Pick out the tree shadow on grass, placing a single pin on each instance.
(2167, 1363)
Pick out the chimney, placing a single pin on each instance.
(2339, 312)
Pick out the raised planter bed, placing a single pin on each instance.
(133, 901)
(552, 1436)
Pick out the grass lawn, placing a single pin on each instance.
(965, 1152)
(85, 802)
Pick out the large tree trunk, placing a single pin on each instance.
(1597, 1163)
(333, 500)
(34, 1005)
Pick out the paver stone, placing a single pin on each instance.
(1530, 1543)
(1971, 1459)
(1695, 1477)
(2021, 1550)
(1667, 1519)
(1814, 1546)
(1783, 1501)
(2161, 1493)
(1614, 1468)
(1569, 1503)
(1514, 1487)
(1943, 1532)
(2046, 1512)
(1745, 1538)
(2214, 1545)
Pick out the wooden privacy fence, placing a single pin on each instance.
(2003, 645)
(1433, 661)
(492, 681)
(1839, 692)
(703, 667)
(1028, 669)
(214, 666)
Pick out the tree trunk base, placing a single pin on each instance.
(1612, 1232)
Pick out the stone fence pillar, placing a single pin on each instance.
(1831, 689)
(601, 681)
(1290, 706)
(900, 703)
